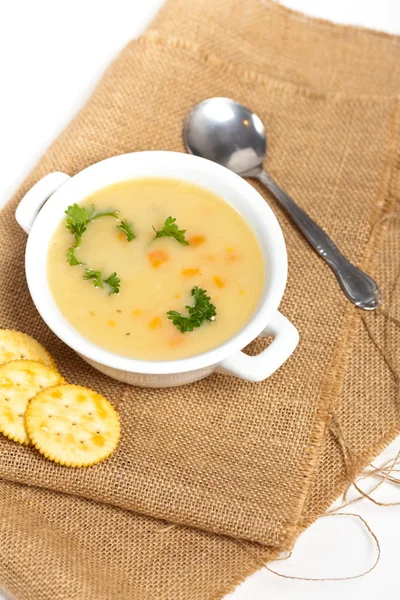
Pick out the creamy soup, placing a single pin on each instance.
(216, 266)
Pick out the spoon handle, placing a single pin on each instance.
(357, 285)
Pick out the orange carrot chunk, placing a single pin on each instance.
(232, 254)
(155, 323)
(197, 240)
(158, 257)
(190, 272)
(218, 281)
(111, 323)
(176, 341)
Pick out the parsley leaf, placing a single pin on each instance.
(113, 281)
(126, 228)
(201, 310)
(71, 258)
(96, 275)
(170, 229)
(77, 219)
(79, 216)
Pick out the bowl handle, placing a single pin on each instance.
(258, 368)
(34, 199)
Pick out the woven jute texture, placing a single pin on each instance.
(207, 471)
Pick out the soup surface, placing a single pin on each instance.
(222, 256)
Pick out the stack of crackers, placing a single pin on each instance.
(69, 424)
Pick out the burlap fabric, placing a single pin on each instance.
(222, 460)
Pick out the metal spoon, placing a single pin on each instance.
(230, 134)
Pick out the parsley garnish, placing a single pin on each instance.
(79, 216)
(77, 219)
(126, 228)
(200, 311)
(71, 258)
(105, 213)
(95, 275)
(170, 229)
(113, 282)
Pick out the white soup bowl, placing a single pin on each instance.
(42, 209)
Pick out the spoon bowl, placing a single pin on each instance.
(228, 133)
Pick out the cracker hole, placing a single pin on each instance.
(73, 423)
(7, 399)
(20, 415)
(97, 431)
(90, 414)
(66, 405)
(81, 441)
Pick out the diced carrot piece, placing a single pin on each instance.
(190, 272)
(176, 341)
(155, 323)
(158, 257)
(121, 236)
(136, 312)
(210, 258)
(218, 281)
(232, 254)
(197, 240)
(242, 292)
(177, 295)
(111, 323)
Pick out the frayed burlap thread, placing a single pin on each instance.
(221, 459)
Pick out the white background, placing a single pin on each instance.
(51, 55)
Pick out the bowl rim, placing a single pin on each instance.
(36, 268)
